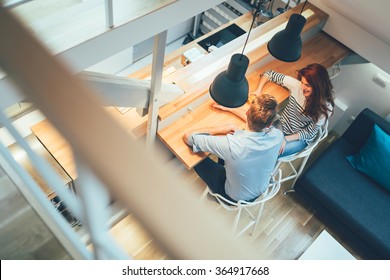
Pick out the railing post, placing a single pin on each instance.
(109, 14)
(96, 202)
(155, 87)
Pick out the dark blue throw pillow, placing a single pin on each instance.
(373, 159)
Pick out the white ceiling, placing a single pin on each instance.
(371, 15)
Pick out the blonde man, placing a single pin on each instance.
(249, 155)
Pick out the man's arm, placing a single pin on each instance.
(220, 130)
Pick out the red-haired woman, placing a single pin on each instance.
(309, 106)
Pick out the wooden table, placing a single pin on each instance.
(60, 149)
(56, 145)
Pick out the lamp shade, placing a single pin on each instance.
(230, 88)
(286, 45)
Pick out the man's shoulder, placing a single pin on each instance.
(275, 131)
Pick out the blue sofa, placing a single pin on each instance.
(352, 204)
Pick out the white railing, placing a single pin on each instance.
(34, 195)
(79, 35)
(108, 161)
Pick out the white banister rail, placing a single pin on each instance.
(96, 201)
(168, 209)
(32, 192)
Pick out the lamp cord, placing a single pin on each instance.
(250, 29)
(303, 7)
(253, 21)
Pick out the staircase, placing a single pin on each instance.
(221, 14)
(23, 235)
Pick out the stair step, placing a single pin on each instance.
(12, 206)
(7, 188)
(25, 236)
(239, 6)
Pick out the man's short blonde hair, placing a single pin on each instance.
(261, 112)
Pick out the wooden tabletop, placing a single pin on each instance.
(60, 149)
(56, 145)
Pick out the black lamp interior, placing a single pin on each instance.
(286, 45)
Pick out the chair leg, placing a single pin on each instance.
(289, 191)
(301, 169)
(293, 175)
(235, 223)
(299, 172)
(259, 212)
(204, 194)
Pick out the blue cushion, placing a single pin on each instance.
(373, 159)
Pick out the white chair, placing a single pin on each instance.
(304, 155)
(253, 209)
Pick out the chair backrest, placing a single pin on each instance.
(270, 192)
(249, 207)
(322, 134)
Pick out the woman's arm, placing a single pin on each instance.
(292, 137)
(263, 80)
(239, 112)
(290, 83)
(309, 132)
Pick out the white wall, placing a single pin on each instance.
(107, 44)
(126, 57)
(356, 89)
(353, 32)
(360, 26)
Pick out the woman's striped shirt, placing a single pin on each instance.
(293, 120)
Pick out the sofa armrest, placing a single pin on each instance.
(359, 131)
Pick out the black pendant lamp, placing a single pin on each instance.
(286, 45)
(230, 88)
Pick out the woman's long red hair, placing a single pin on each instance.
(318, 78)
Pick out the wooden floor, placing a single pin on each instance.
(285, 230)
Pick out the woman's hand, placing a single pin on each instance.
(220, 107)
(287, 138)
(281, 150)
(239, 112)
